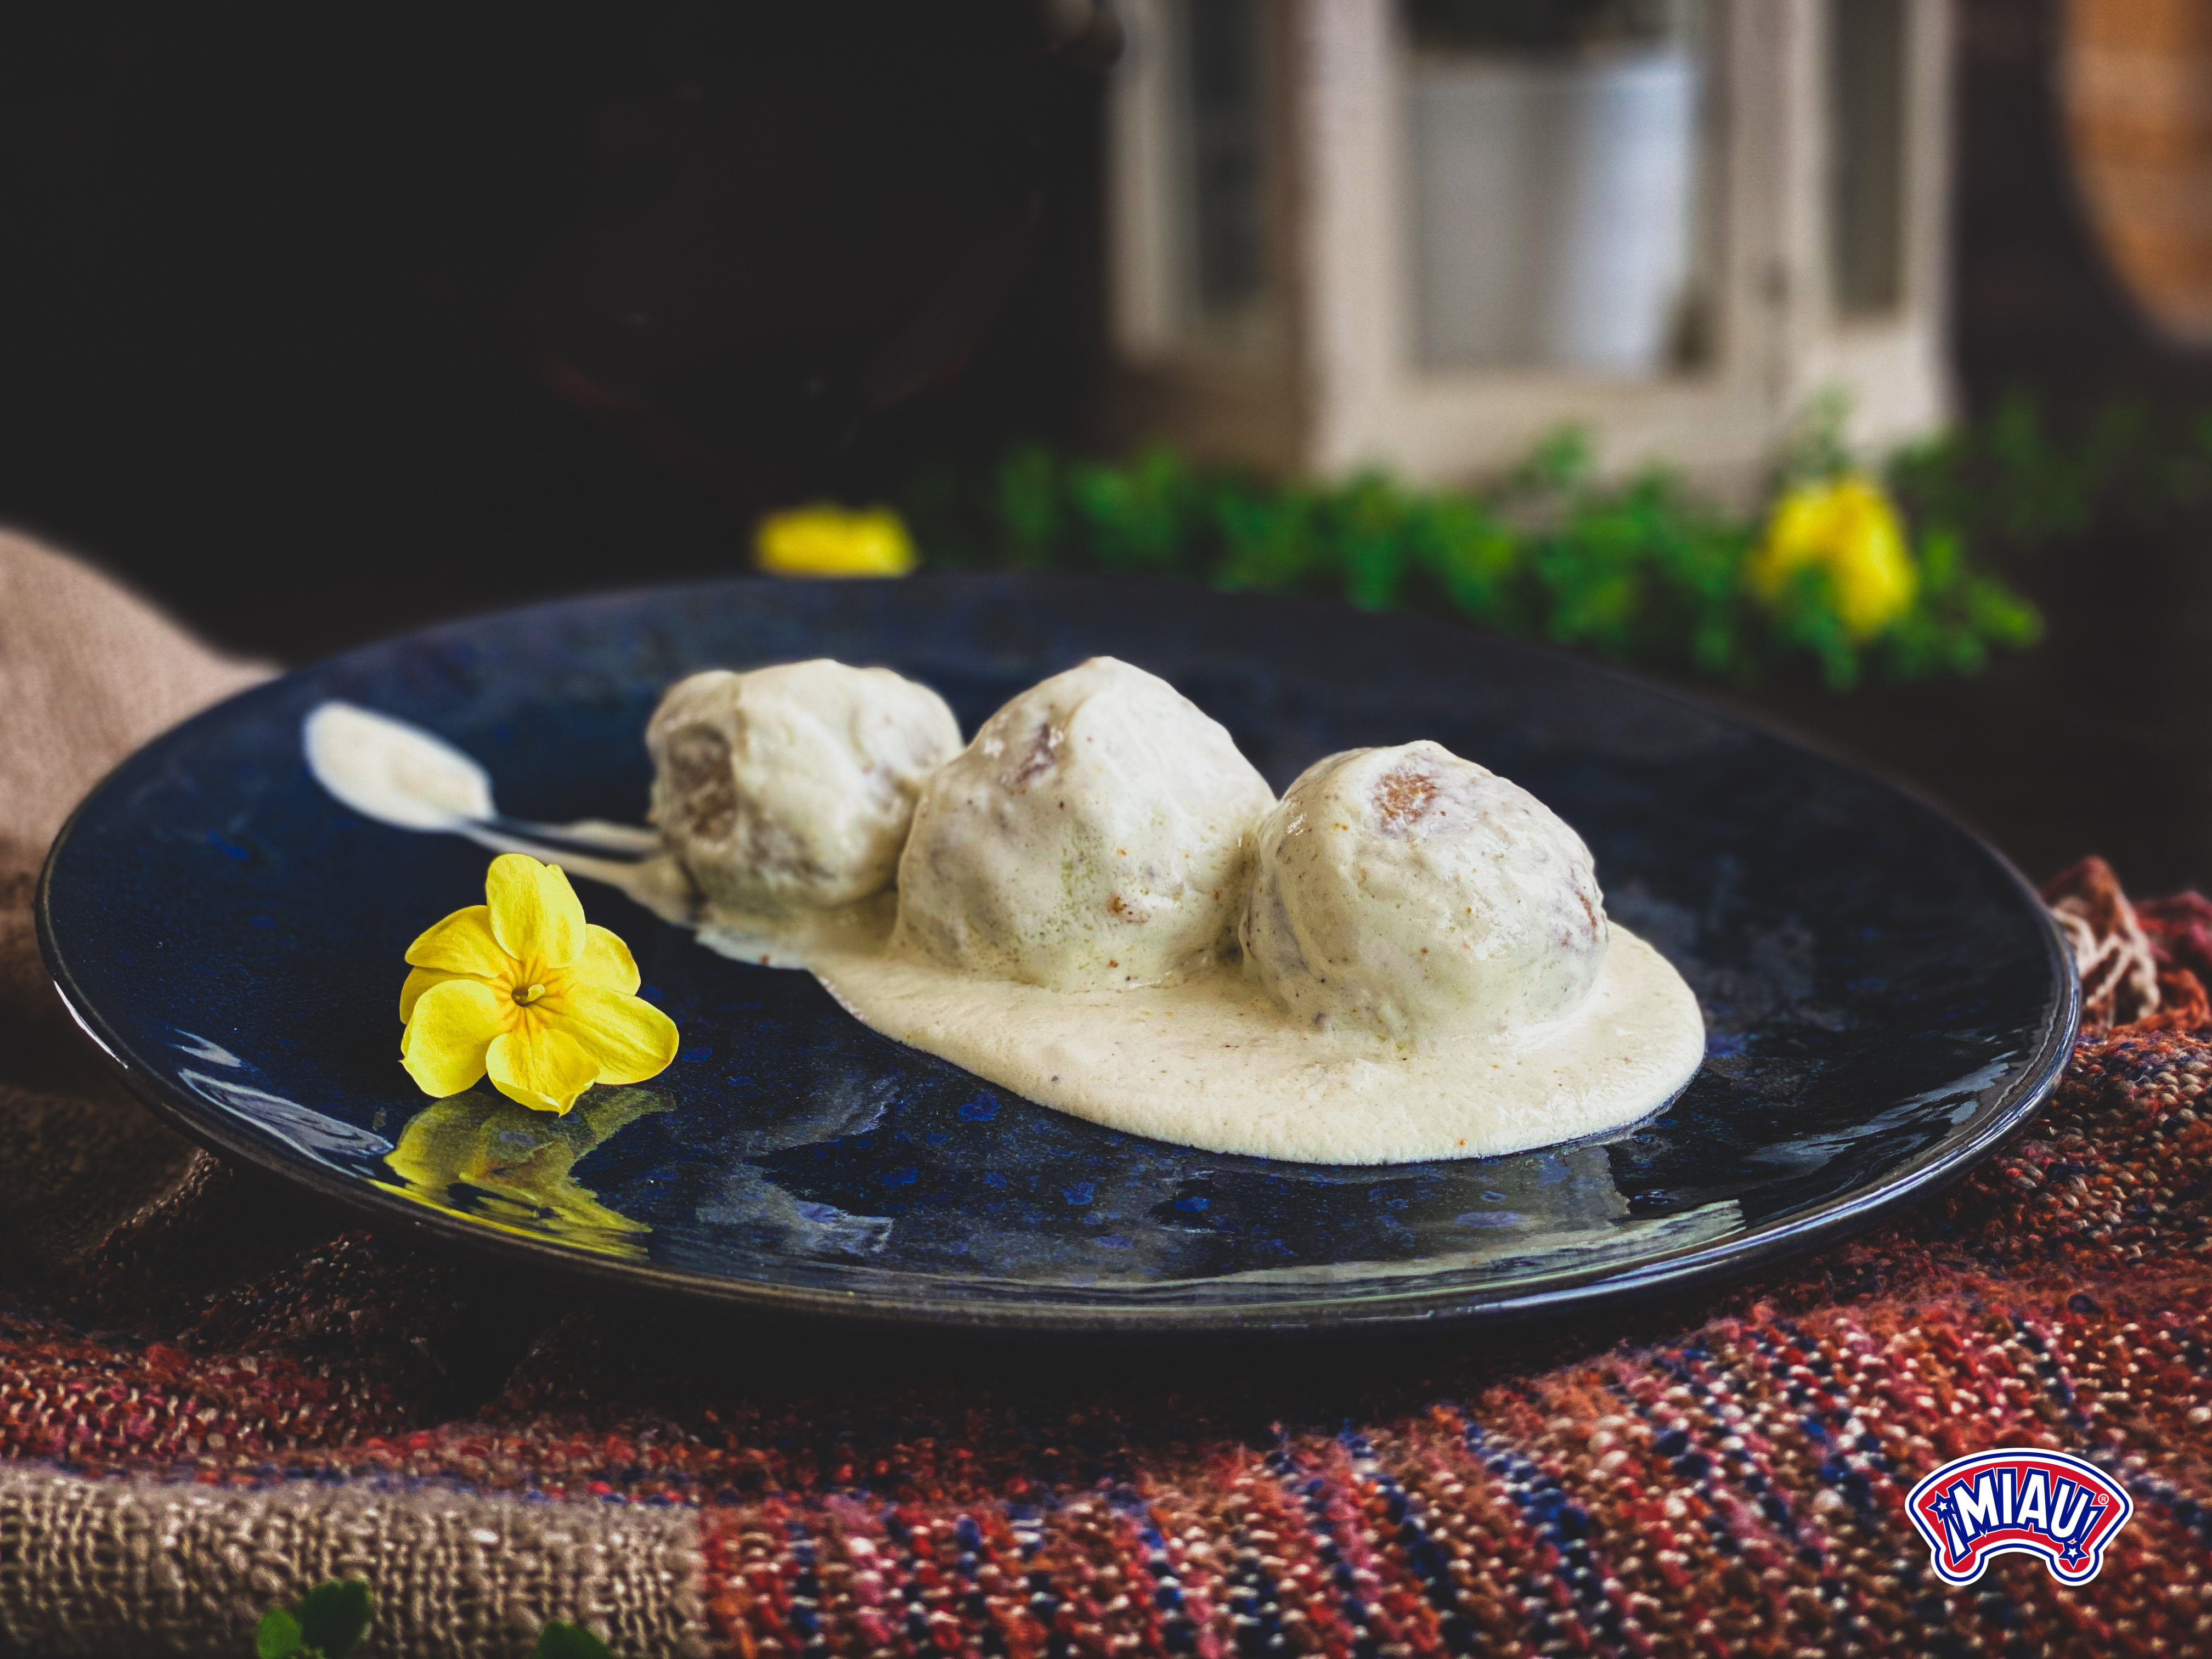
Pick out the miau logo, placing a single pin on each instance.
(2039, 1503)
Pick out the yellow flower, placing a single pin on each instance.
(521, 987)
(828, 541)
(1846, 527)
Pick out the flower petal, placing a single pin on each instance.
(605, 962)
(536, 916)
(828, 541)
(628, 1038)
(419, 979)
(542, 1066)
(461, 944)
(454, 1025)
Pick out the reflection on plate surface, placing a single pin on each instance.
(1884, 999)
(483, 1159)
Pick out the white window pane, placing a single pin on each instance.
(1554, 186)
(1866, 154)
(1221, 59)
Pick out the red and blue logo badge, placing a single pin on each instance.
(2039, 1503)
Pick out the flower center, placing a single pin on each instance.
(530, 995)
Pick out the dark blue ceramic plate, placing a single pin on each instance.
(1886, 1000)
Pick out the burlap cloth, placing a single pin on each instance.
(211, 1399)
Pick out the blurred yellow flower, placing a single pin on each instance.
(1846, 528)
(522, 988)
(828, 541)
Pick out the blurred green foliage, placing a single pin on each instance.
(1643, 570)
(2013, 481)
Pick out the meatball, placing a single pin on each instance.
(792, 788)
(1097, 834)
(1408, 892)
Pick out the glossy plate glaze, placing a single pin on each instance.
(1886, 1000)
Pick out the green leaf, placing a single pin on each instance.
(278, 1636)
(1995, 612)
(334, 1617)
(1940, 561)
(1135, 515)
(1029, 504)
(1818, 447)
(1268, 538)
(561, 1641)
(1561, 461)
(1369, 528)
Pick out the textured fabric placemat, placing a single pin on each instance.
(211, 1397)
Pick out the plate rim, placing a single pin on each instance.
(1728, 1256)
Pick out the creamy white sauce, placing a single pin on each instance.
(1211, 1061)
(1214, 1063)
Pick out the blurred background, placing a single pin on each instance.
(1848, 361)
